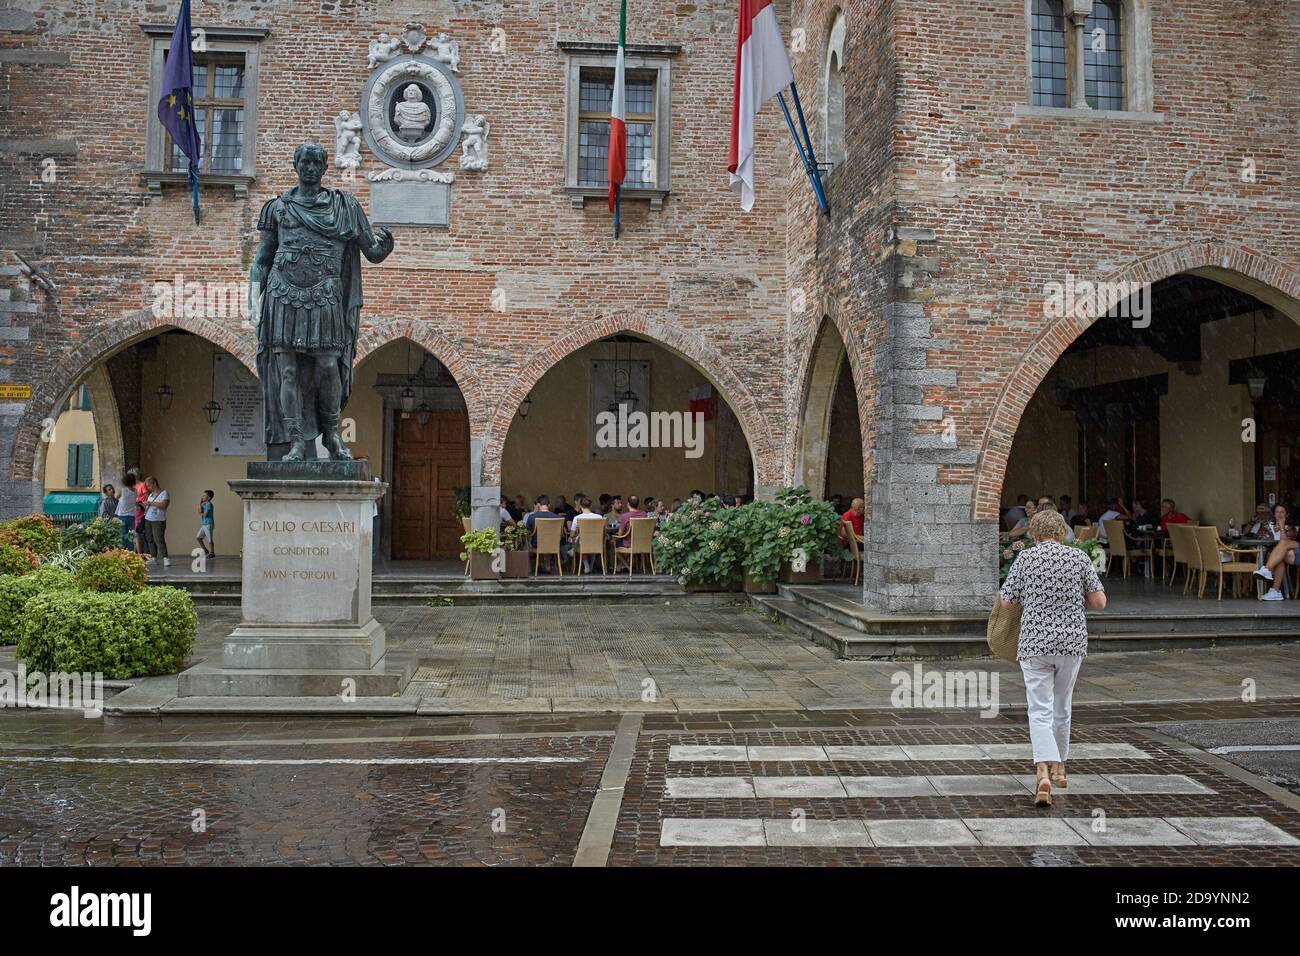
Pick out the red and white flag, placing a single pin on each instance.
(762, 71)
(617, 128)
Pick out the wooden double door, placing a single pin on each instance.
(429, 461)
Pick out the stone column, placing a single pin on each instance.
(922, 552)
(1078, 14)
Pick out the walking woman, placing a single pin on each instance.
(155, 519)
(1052, 583)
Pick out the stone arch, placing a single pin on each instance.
(52, 389)
(440, 347)
(832, 89)
(818, 375)
(1267, 279)
(687, 346)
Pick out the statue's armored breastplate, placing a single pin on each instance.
(305, 258)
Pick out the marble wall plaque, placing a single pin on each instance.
(410, 203)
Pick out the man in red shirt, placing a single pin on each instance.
(854, 516)
(1169, 514)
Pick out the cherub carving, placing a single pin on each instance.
(382, 50)
(474, 148)
(447, 51)
(347, 140)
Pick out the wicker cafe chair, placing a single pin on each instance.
(1212, 552)
(1085, 532)
(548, 532)
(641, 532)
(468, 525)
(849, 535)
(1183, 542)
(591, 540)
(1118, 546)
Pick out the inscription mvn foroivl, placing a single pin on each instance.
(309, 527)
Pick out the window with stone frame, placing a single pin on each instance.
(1090, 54)
(1049, 69)
(1103, 56)
(225, 68)
(833, 145)
(596, 93)
(647, 114)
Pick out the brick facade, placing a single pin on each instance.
(934, 282)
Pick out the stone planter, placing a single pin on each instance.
(703, 588)
(480, 567)
(811, 575)
(519, 564)
(758, 587)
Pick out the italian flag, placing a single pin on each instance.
(762, 71)
(617, 128)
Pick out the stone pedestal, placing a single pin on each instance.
(307, 627)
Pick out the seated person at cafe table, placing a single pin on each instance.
(1021, 527)
(623, 536)
(854, 516)
(1283, 553)
(1142, 517)
(1169, 514)
(1115, 511)
(542, 510)
(1260, 525)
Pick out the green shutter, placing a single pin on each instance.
(85, 399)
(72, 465)
(86, 465)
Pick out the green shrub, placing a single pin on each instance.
(112, 571)
(15, 592)
(480, 542)
(36, 533)
(95, 535)
(17, 560)
(762, 549)
(700, 544)
(120, 635)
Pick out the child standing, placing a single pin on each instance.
(204, 537)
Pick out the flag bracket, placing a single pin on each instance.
(806, 155)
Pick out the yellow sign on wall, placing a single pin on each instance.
(15, 391)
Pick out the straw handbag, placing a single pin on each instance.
(1004, 630)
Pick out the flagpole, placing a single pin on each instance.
(807, 158)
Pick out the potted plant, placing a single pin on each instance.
(479, 546)
(761, 548)
(807, 528)
(463, 509)
(699, 544)
(515, 541)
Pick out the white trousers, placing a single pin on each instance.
(1049, 688)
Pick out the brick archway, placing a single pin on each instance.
(1267, 279)
(440, 347)
(53, 387)
(686, 345)
(816, 378)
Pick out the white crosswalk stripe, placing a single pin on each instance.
(679, 753)
(975, 831)
(969, 785)
(754, 783)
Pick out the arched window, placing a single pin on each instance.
(833, 94)
(1048, 56)
(1103, 56)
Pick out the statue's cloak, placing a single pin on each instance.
(335, 215)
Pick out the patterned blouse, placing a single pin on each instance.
(1049, 581)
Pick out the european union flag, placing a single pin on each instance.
(176, 107)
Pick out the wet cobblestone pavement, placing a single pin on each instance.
(867, 788)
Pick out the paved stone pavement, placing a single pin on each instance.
(652, 658)
(908, 787)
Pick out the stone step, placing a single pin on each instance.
(851, 614)
(851, 644)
